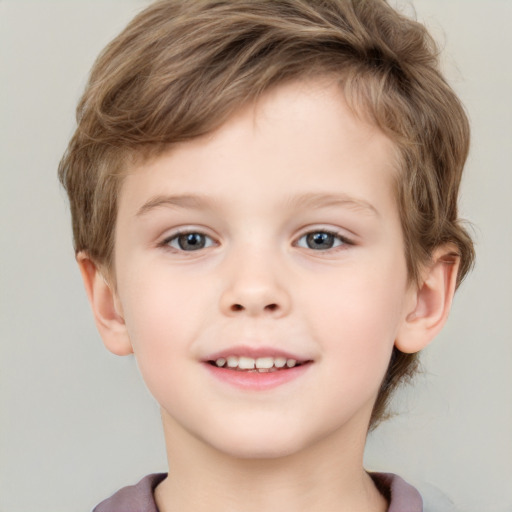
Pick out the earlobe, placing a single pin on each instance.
(105, 307)
(430, 303)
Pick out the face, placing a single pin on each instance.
(261, 275)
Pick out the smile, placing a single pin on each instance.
(250, 364)
(256, 369)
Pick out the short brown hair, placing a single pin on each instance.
(181, 68)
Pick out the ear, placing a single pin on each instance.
(430, 302)
(105, 307)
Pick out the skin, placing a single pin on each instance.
(297, 162)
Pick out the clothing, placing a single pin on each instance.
(139, 498)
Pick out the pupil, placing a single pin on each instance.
(191, 241)
(320, 240)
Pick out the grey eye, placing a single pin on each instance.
(320, 240)
(190, 242)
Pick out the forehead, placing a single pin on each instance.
(299, 138)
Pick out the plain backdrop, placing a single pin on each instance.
(77, 423)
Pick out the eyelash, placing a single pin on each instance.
(342, 240)
(167, 242)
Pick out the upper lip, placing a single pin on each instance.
(255, 353)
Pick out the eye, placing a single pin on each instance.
(321, 240)
(189, 241)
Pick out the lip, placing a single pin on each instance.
(254, 352)
(254, 380)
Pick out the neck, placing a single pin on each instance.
(326, 476)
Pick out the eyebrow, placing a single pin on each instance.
(180, 201)
(308, 200)
(322, 200)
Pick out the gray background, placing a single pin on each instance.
(76, 422)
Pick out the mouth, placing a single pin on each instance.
(256, 369)
(267, 364)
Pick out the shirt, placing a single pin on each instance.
(402, 497)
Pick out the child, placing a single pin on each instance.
(264, 204)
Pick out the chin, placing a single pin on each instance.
(257, 452)
(258, 445)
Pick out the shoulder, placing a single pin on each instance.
(134, 498)
(402, 496)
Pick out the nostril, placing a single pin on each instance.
(271, 307)
(237, 307)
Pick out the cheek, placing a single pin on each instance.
(161, 317)
(158, 304)
(355, 321)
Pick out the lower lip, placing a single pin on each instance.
(256, 381)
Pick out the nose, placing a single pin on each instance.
(254, 288)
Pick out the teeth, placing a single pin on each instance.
(246, 363)
(261, 364)
(264, 362)
(232, 362)
(280, 362)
